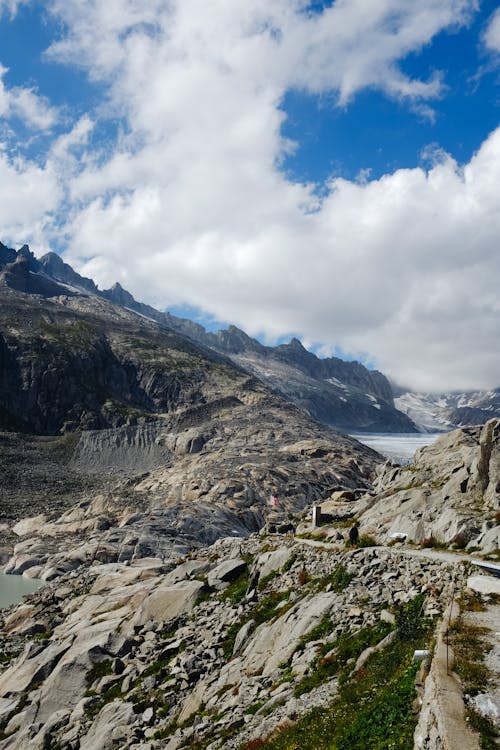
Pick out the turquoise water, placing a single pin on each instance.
(13, 588)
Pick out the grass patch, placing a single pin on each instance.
(237, 589)
(373, 710)
(286, 567)
(321, 630)
(339, 579)
(365, 540)
(264, 582)
(470, 649)
(254, 707)
(100, 669)
(471, 601)
(431, 542)
(487, 731)
(111, 694)
(337, 659)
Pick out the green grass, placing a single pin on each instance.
(339, 662)
(470, 649)
(373, 710)
(488, 733)
(113, 692)
(236, 589)
(339, 579)
(99, 669)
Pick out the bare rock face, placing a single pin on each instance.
(450, 494)
(140, 655)
(162, 500)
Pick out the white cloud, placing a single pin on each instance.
(11, 6)
(26, 104)
(29, 194)
(190, 207)
(491, 36)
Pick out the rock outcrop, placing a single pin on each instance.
(449, 495)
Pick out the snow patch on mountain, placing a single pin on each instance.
(434, 412)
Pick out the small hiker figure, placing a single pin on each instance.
(354, 533)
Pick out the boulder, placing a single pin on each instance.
(165, 603)
(226, 571)
(29, 525)
(275, 642)
(484, 584)
(268, 562)
(111, 728)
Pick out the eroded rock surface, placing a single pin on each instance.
(450, 494)
(143, 656)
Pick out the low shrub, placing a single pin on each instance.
(236, 589)
(430, 542)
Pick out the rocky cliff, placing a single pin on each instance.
(165, 444)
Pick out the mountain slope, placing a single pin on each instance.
(345, 395)
(156, 442)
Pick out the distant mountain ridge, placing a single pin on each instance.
(342, 394)
(436, 412)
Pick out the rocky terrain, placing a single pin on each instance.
(165, 444)
(247, 643)
(449, 495)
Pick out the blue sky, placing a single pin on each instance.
(325, 170)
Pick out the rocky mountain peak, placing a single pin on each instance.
(296, 344)
(7, 255)
(340, 394)
(25, 254)
(53, 265)
(119, 295)
(234, 340)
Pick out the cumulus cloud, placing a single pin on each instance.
(191, 206)
(24, 103)
(29, 195)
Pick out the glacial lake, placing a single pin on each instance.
(398, 447)
(13, 588)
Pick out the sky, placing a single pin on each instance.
(325, 170)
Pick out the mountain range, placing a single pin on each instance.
(345, 395)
